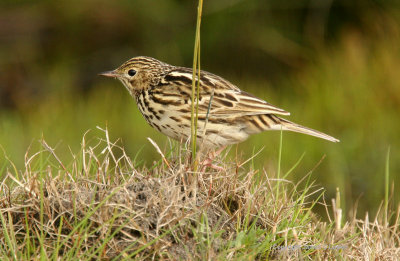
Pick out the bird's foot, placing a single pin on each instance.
(208, 162)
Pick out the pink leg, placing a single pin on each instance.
(211, 156)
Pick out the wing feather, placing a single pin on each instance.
(227, 99)
(245, 104)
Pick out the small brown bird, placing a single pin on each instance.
(230, 115)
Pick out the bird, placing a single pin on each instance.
(226, 114)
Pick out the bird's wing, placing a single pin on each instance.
(226, 98)
(228, 102)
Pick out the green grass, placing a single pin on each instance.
(102, 204)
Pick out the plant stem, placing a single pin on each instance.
(196, 68)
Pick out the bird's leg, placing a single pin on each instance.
(210, 157)
(216, 153)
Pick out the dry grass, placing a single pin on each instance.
(102, 206)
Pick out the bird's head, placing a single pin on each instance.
(138, 73)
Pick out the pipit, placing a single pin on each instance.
(226, 114)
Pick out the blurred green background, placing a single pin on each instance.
(335, 64)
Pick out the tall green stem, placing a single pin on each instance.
(195, 93)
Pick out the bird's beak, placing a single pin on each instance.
(112, 74)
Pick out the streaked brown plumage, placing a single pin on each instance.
(163, 95)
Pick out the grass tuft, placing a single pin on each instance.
(102, 206)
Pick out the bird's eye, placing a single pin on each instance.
(131, 72)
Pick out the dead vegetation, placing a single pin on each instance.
(102, 206)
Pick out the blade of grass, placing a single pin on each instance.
(196, 67)
(10, 243)
(294, 166)
(57, 248)
(27, 237)
(387, 187)
(279, 164)
(41, 214)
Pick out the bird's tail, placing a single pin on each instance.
(290, 126)
(272, 122)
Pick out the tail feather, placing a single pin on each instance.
(259, 123)
(291, 126)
